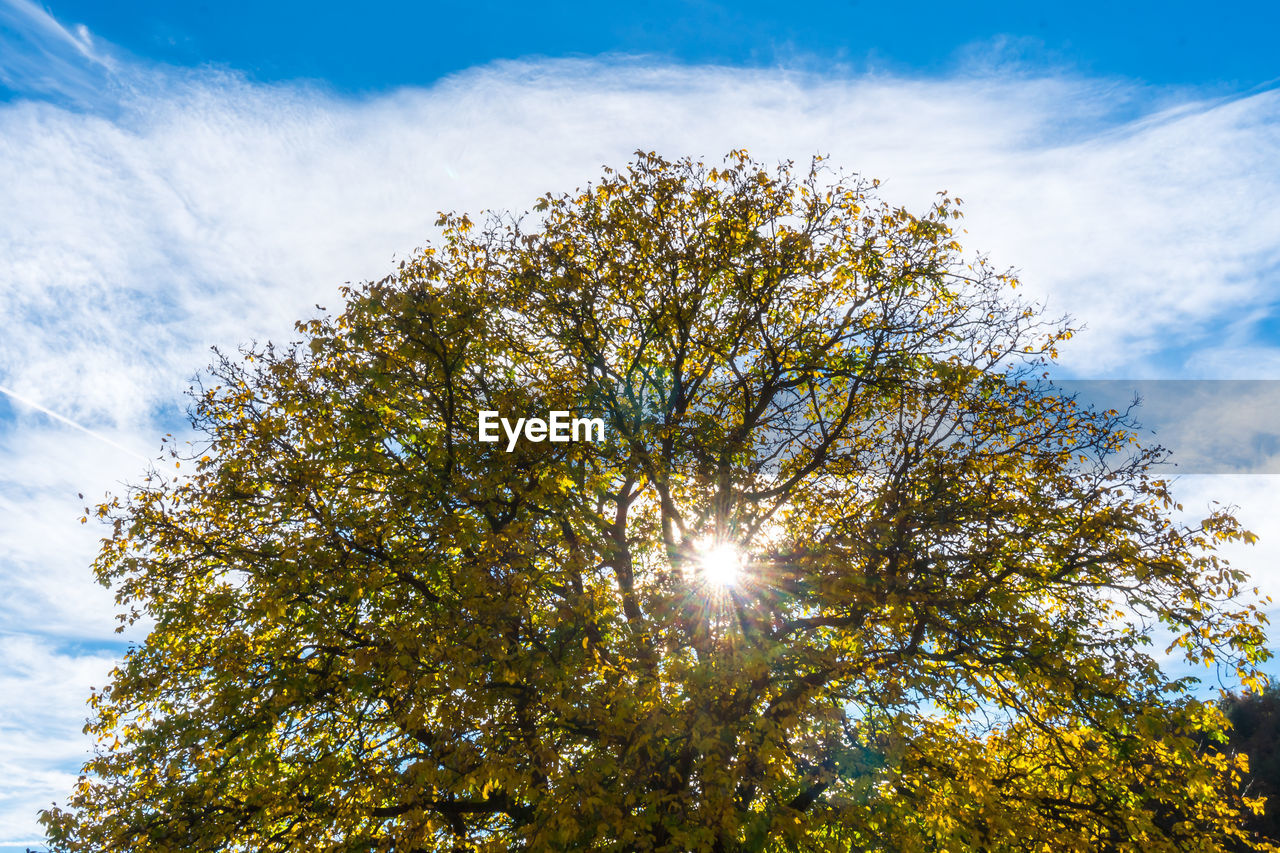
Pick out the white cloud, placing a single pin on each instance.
(210, 211)
(198, 209)
(43, 56)
(42, 710)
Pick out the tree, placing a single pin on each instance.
(845, 573)
(1255, 731)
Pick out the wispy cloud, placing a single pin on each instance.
(152, 213)
(42, 705)
(42, 56)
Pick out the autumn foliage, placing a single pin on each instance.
(374, 632)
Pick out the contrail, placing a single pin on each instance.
(57, 417)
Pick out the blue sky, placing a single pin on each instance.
(375, 46)
(176, 176)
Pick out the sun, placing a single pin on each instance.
(719, 563)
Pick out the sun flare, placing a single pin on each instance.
(720, 563)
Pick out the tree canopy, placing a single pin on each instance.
(847, 572)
